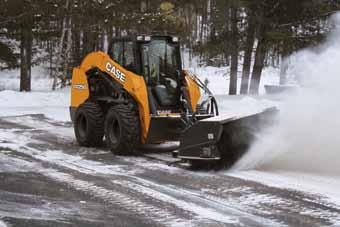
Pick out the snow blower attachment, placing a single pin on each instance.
(222, 139)
(138, 94)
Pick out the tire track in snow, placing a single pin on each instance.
(199, 208)
(203, 210)
(161, 215)
(252, 196)
(245, 202)
(156, 214)
(208, 207)
(255, 198)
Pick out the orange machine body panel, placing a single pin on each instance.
(132, 83)
(80, 87)
(193, 89)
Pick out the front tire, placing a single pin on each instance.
(122, 129)
(89, 125)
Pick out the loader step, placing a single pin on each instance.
(164, 157)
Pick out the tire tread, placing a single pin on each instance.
(130, 137)
(96, 124)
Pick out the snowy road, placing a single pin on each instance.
(47, 180)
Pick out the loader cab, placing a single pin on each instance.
(158, 60)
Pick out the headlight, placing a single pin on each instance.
(175, 39)
(147, 38)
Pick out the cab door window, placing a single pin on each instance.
(123, 53)
(117, 53)
(129, 59)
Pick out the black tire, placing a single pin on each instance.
(122, 129)
(89, 125)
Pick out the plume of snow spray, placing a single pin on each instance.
(307, 136)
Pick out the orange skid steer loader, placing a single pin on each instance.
(139, 94)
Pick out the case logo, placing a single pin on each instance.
(163, 112)
(79, 86)
(116, 72)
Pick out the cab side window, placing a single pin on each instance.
(122, 52)
(128, 56)
(117, 52)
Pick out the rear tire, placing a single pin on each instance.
(122, 129)
(89, 124)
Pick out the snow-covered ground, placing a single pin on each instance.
(168, 195)
(54, 105)
(301, 152)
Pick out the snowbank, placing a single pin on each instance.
(10, 79)
(244, 104)
(218, 78)
(54, 105)
(34, 99)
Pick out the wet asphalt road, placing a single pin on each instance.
(46, 179)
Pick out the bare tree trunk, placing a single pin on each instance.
(258, 66)
(76, 55)
(60, 48)
(202, 29)
(234, 52)
(283, 70)
(284, 64)
(85, 42)
(227, 46)
(143, 6)
(67, 54)
(248, 52)
(26, 53)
